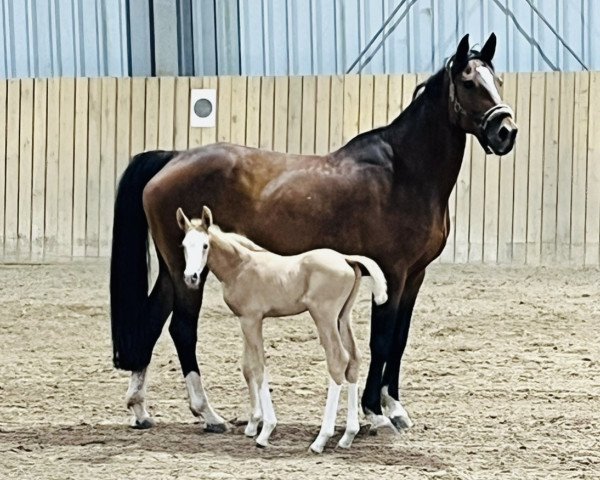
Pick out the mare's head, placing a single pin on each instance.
(195, 245)
(474, 100)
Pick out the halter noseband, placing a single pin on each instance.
(499, 110)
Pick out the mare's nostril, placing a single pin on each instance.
(195, 277)
(503, 133)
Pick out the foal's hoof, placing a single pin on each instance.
(262, 444)
(215, 428)
(145, 424)
(316, 448)
(251, 430)
(401, 423)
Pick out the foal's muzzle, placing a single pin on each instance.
(192, 280)
(498, 130)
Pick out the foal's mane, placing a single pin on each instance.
(237, 238)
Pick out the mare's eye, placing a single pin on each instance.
(469, 84)
(205, 247)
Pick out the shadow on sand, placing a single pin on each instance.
(288, 440)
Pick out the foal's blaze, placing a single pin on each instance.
(383, 195)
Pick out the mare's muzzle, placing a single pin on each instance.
(498, 130)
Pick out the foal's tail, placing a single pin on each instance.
(379, 286)
(129, 261)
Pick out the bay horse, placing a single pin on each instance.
(383, 195)
(258, 284)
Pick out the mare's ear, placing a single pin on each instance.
(488, 50)
(461, 56)
(183, 221)
(207, 220)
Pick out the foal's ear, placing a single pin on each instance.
(206, 217)
(183, 221)
(488, 49)
(462, 54)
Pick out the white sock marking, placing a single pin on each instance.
(199, 403)
(268, 412)
(393, 408)
(136, 396)
(256, 412)
(328, 425)
(352, 424)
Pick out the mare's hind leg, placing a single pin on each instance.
(156, 312)
(136, 400)
(183, 330)
(352, 423)
(337, 363)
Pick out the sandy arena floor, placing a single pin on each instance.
(501, 376)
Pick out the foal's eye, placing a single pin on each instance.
(469, 84)
(205, 247)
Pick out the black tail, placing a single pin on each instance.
(129, 261)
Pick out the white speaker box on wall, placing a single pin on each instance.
(203, 107)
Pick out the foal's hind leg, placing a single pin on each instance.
(183, 330)
(352, 423)
(337, 363)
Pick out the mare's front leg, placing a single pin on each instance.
(383, 320)
(183, 330)
(390, 397)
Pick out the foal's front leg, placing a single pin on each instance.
(254, 359)
(255, 410)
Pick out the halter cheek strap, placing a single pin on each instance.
(457, 107)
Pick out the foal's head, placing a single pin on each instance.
(195, 245)
(475, 102)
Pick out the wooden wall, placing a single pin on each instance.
(64, 143)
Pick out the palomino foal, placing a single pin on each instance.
(258, 284)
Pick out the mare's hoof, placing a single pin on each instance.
(145, 424)
(401, 423)
(380, 423)
(262, 445)
(215, 428)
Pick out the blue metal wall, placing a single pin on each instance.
(47, 38)
(284, 37)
